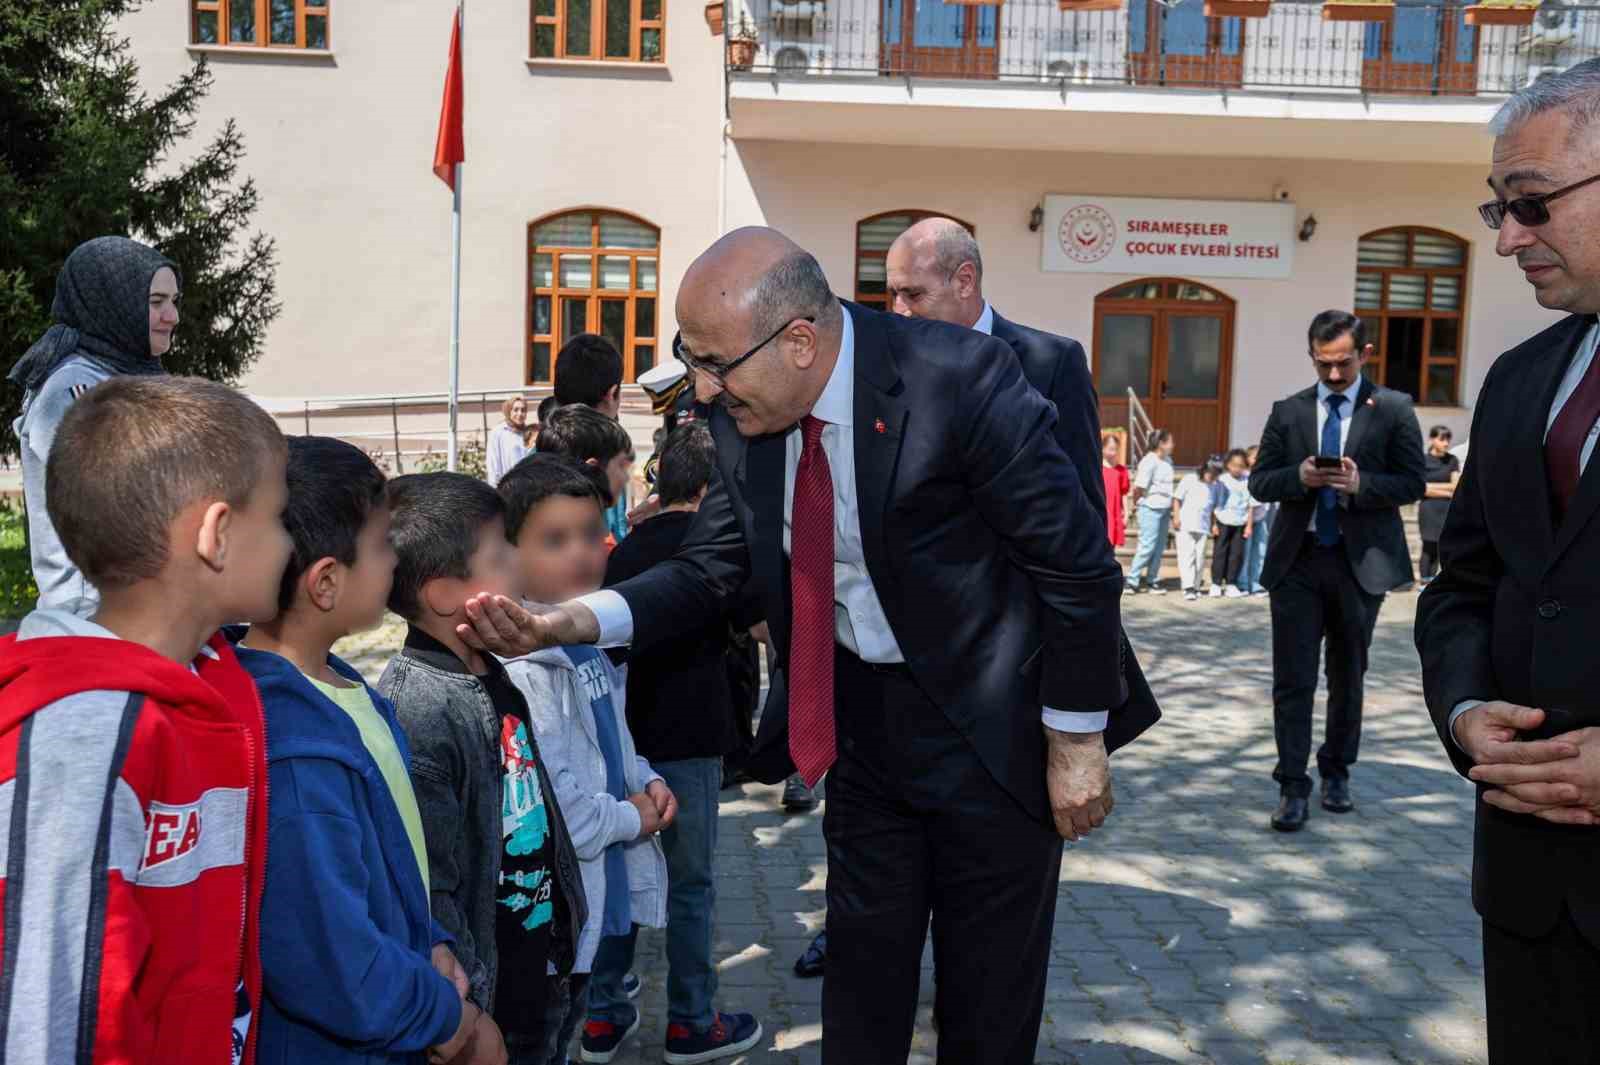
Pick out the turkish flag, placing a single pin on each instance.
(450, 148)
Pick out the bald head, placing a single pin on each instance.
(752, 290)
(936, 271)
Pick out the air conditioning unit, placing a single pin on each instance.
(1069, 65)
(1555, 25)
(800, 57)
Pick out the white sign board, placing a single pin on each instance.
(1187, 238)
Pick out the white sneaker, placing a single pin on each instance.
(1216, 591)
(1156, 589)
(1234, 592)
(1190, 595)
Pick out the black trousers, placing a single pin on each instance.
(917, 828)
(1430, 559)
(1227, 554)
(1540, 994)
(1318, 601)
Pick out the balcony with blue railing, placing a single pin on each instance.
(1415, 49)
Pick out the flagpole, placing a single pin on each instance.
(452, 458)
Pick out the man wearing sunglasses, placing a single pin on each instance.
(1507, 633)
(945, 610)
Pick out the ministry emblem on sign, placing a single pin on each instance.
(1088, 233)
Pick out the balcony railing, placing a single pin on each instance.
(1427, 49)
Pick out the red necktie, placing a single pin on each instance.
(1563, 446)
(811, 742)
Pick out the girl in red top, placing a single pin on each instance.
(1117, 485)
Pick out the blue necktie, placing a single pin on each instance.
(1328, 498)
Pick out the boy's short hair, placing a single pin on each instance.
(687, 459)
(333, 489)
(588, 367)
(435, 521)
(540, 477)
(546, 405)
(133, 452)
(583, 433)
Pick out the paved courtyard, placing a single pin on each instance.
(1187, 931)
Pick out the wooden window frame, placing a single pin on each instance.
(593, 295)
(1378, 318)
(263, 35)
(597, 32)
(881, 302)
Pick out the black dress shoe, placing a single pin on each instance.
(1336, 796)
(797, 798)
(1292, 812)
(811, 962)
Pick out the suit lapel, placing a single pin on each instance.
(879, 412)
(1531, 447)
(1360, 416)
(1306, 419)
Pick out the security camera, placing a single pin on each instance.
(1281, 194)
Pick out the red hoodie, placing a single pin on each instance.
(133, 813)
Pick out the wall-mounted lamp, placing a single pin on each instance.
(1308, 228)
(1035, 218)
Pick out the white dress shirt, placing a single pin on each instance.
(1569, 385)
(1346, 413)
(859, 621)
(985, 322)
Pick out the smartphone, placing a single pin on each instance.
(1325, 462)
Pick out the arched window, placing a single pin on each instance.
(591, 271)
(873, 237)
(1411, 287)
(260, 23)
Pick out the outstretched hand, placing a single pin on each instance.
(500, 626)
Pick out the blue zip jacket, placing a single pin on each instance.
(346, 933)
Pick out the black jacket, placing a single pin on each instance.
(989, 560)
(680, 702)
(1058, 370)
(1385, 443)
(1513, 616)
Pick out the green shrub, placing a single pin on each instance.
(18, 593)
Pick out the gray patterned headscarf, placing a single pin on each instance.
(101, 309)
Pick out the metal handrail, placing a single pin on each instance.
(1139, 428)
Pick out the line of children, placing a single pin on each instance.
(412, 893)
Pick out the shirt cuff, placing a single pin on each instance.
(1076, 720)
(613, 614)
(1462, 707)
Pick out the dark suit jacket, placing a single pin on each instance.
(1514, 616)
(1058, 370)
(1386, 445)
(994, 573)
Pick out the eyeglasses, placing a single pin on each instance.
(720, 372)
(1527, 210)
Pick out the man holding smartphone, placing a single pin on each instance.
(1342, 458)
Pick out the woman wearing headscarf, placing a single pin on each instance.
(508, 443)
(116, 306)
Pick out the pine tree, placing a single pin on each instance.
(85, 152)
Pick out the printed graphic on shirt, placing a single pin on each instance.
(596, 681)
(525, 885)
(241, 1022)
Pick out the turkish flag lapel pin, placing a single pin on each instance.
(879, 427)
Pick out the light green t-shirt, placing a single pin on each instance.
(379, 741)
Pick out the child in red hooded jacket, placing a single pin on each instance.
(132, 753)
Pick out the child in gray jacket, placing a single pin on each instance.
(613, 801)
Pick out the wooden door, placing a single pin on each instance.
(940, 39)
(1182, 46)
(1171, 343)
(1423, 50)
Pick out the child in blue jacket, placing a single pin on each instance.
(355, 969)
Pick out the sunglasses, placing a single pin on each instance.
(721, 371)
(1527, 210)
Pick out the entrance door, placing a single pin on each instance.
(941, 39)
(1171, 342)
(1181, 46)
